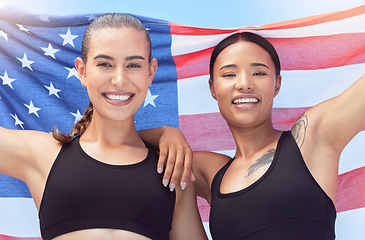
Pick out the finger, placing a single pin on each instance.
(170, 162)
(178, 168)
(161, 159)
(188, 170)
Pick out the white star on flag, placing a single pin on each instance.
(68, 38)
(150, 99)
(52, 90)
(26, 62)
(91, 17)
(22, 28)
(44, 18)
(72, 72)
(4, 35)
(50, 51)
(17, 121)
(77, 115)
(7, 80)
(32, 108)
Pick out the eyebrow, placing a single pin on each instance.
(252, 64)
(110, 58)
(259, 65)
(134, 57)
(103, 56)
(228, 66)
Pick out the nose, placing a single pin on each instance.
(119, 78)
(244, 82)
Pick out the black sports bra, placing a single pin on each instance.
(83, 193)
(286, 203)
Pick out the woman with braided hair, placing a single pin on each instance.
(100, 180)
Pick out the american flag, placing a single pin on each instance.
(321, 56)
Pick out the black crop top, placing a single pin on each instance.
(83, 193)
(286, 203)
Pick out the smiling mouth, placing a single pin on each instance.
(245, 100)
(118, 97)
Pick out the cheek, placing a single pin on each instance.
(222, 89)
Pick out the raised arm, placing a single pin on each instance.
(324, 130)
(335, 122)
(175, 153)
(28, 156)
(14, 153)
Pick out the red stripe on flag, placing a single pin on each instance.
(314, 20)
(178, 29)
(306, 53)
(209, 131)
(351, 190)
(204, 209)
(5, 237)
(206, 132)
(320, 52)
(193, 64)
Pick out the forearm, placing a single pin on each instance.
(187, 222)
(152, 136)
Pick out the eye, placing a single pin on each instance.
(229, 75)
(104, 64)
(133, 65)
(259, 74)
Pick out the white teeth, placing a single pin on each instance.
(118, 97)
(245, 100)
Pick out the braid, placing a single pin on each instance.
(78, 129)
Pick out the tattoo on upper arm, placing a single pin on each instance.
(267, 158)
(299, 129)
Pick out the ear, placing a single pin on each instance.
(277, 85)
(81, 71)
(212, 89)
(153, 69)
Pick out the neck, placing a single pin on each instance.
(112, 133)
(250, 140)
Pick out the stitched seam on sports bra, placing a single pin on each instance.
(133, 165)
(299, 154)
(284, 219)
(104, 215)
(59, 155)
(258, 181)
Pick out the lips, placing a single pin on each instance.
(118, 99)
(245, 100)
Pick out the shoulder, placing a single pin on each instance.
(41, 148)
(206, 165)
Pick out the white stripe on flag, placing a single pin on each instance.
(21, 217)
(353, 155)
(306, 88)
(182, 44)
(350, 225)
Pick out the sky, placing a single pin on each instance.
(221, 14)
